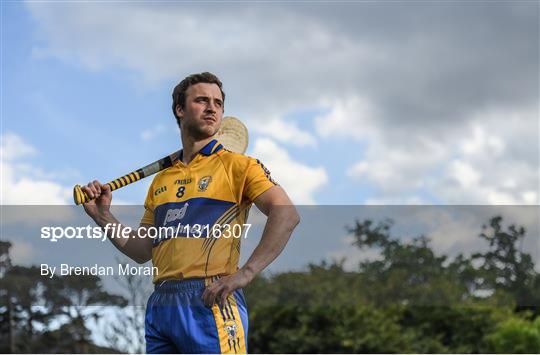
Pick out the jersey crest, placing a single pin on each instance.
(204, 182)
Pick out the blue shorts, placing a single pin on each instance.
(177, 321)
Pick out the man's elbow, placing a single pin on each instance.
(287, 215)
(294, 219)
(142, 260)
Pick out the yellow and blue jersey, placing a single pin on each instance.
(216, 189)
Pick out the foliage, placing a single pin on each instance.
(408, 300)
(516, 335)
(325, 329)
(504, 267)
(40, 314)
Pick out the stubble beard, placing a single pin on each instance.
(197, 132)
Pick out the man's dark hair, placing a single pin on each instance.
(179, 92)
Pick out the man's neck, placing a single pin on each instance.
(191, 147)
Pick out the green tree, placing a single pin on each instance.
(48, 315)
(516, 336)
(409, 273)
(7, 335)
(505, 267)
(320, 310)
(409, 300)
(77, 300)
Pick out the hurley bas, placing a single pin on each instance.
(96, 270)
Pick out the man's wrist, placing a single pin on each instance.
(104, 218)
(249, 272)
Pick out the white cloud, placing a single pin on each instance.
(285, 132)
(290, 56)
(13, 147)
(464, 173)
(21, 252)
(299, 180)
(395, 200)
(22, 184)
(488, 159)
(454, 230)
(353, 255)
(496, 160)
(398, 167)
(415, 91)
(481, 141)
(354, 117)
(530, 197)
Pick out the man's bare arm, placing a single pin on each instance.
(137, 245)
(282, 219)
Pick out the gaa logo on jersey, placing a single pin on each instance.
(204, 182)
(230, 328)
(160, 190)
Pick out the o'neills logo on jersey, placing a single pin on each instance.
(183, 181)
(174, 214)
(204, 182)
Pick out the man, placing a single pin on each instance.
(198, 305)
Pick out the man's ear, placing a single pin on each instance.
(179, 111)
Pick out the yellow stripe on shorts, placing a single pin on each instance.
(230, 327)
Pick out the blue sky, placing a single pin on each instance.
(347, 104)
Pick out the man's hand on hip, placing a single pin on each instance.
(219, 290)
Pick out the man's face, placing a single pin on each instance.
(203, 110)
